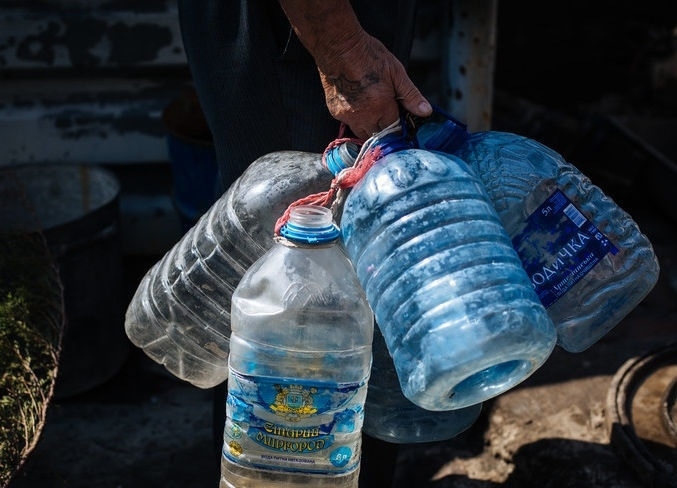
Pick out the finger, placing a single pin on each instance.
(365, 129)
(411, 98)
(389, 117)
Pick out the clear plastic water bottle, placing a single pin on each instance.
(180, 312)
(457, 311)
(586, 257)
(299, 364)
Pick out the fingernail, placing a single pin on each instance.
(425, 107)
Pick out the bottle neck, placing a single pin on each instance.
(344, 155)
(439, 132)
(310, 224)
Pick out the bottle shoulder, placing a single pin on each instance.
(295, 277)
(505, 155)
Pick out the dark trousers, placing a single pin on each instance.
(260, 92)
(258, 87)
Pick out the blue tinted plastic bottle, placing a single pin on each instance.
(587, 258)
(457, 311)
(300, 357)
(389, 415)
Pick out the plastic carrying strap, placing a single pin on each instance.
(439, 132)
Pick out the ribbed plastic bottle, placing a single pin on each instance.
(299, 364)
(457, 311)
(390, 416)
(180, 312)
(586, 257)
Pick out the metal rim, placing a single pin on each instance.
(628, 446)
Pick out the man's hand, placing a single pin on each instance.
(364, 84)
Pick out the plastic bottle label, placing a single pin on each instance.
(558, 246)
(293, 425)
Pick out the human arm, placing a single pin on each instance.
(363, 82)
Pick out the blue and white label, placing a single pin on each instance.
(293, 425)
(558, 246)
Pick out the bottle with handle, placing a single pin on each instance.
(390, 416)
(587, 258)
(457, 311)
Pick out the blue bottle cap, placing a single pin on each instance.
(394, 142)
(445, 136)
(341, 157)
(310, 224)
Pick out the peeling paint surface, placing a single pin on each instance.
(87, 80)
(64, 121)
(89, 34)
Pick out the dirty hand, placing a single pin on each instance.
(365, 86)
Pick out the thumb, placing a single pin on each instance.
(413, 102)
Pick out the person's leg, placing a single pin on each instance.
(259, 92)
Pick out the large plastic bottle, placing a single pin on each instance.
(586, 257)
(299, 364)
(458, 313)
(390, 416)
(180, 312)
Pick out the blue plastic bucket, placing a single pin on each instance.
(190, 148)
